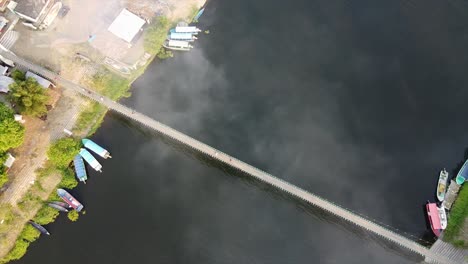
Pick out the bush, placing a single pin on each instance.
(45, 215)
(20, 248)
(3, 176)
(62, 152)
(30, 97)
(68, 179)
(164, 54)
(73, 215)
(18, 75)
(5, 112)
(11, 134)
(155, 34)
(30, 233)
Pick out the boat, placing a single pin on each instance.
(182, 36)
(62, 204)
(434, 218)
(89, 144)
(80, 168)
(198, 15)
(462, 174)
(70, 199)
(442, 217)
(442, 185)
(39, 227)
(177, 45)
(91, 160)
(58, 207)
(187, 29)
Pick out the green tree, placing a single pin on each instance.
(73, 215)
(29, 96)
(5, 112)
(155, 34)
(3, 176)
(18, 75)
(62, 152)
(68, 180)
(29, 233)
(11, 134)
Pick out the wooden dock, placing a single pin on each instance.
(451, 194)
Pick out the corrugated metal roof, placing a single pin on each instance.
(126, 25)
(4, 83)
(41, 80)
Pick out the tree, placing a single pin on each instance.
(18, 75)
(62, 152)
(73, 215)
(164, 54)
(5, 112)
(155, 34)
(3, 176)
(29, 96)
(11, 134)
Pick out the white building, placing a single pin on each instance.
(126, 25)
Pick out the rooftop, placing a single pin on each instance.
(126, 25)
(4, 83)
(42, 81)
(31, 8)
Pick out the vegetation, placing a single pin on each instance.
(46, 215)
(68, 179)
(155, 34)
(73, 215)
(30, 97)
(11, 132)
(164, 54)
(62, 152)
(458, 215)
(110, 84)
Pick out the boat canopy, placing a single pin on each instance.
(89, 144)
(90, 159)
(187, 29)
(178, 43)
(80, 168)
(463, 173)
(181, 36)
(434, 218)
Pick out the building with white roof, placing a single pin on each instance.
(41, 80)
(126, 25)
(5, 83)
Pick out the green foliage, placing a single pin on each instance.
(110, 84)
(155, 34)
(29, 96)
(3, 176)
(458, 215)
(29, 233)
(68, 179)
(5, 112)
(164, 54)
(29, 200)
(45, 215)
(73, 215)
(459, 243)
(62, 152)
(18, 75)
(20, 248)
(11, 134)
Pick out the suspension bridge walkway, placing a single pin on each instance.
(437, 257)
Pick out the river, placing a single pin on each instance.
(360, 102)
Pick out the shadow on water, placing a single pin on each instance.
(277, 194)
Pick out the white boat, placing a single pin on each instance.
(442, 185)
(177, 45)
(188, 29)
(442, 217)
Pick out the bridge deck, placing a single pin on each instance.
(260, 175)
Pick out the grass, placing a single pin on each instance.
(457, 218)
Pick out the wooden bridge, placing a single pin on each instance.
(437, 257)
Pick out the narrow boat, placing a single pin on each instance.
(58, 207)
(80, 168)
(462, 174)
(442, 185)
(91, 160)
(182, 36)
(40, 228)
(198, 15)
(442, 217)
(177, 45)
(89, 144)
(70, 199)
(188, 29)
(434, 218)
(62, 204)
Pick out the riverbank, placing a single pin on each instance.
(456, 232)
(15, 239)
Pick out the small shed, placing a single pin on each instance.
(5, 83)
(126, 25)
(41, 80)
(10, 160)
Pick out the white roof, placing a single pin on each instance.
(4, 83)
(190, 29)
(178, 43)
(126, 25)
(10, 160)
(42, 81)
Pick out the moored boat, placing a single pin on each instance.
(58, 207)
(69, 199)
(434, 218)
(62, 204)
(442, 185)
(80, 168)
(198, 15)
(442, 217)
(462, 174)
(40, 228)
(91, 160)
(89, 144)
(187, 29)
(177, 45)
(182, 36)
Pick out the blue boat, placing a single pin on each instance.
(462, 174)
(91, 160)
(198, 15)
(89, 144)
(80, 168)
(182, 36)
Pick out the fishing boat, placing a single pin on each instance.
(442, 185)
(70, 199)
(177, 45)
(80, 168)
(91, 160)
(434, 218)
(58, 207)
(40, 228)
(182, 36)
(89, 144)
(62, 204)
(442, 217)
(198, 15)
(462, 174)
(187, 29)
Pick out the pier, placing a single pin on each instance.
(436, 256)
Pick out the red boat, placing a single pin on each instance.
(69, 199)
(434, 218)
